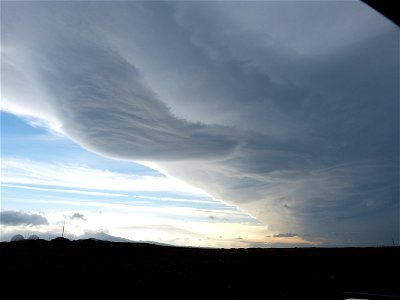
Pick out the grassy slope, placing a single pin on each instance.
(99, 268)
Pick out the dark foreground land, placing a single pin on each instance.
(89, 269)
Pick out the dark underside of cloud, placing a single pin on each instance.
(293, 119)
(77, 216)
(16, 218)
(285, 235)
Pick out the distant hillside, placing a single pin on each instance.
(94, 268)
(103, 237)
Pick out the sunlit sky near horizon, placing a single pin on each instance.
(54, 181)
(212, 124)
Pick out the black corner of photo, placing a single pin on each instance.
(90, 269)
(387, 8)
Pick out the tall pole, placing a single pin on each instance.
(63, 230)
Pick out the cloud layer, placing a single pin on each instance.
(294, 119)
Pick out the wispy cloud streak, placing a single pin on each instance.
(90, 193)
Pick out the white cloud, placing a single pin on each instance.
(65, 191)
(169, 199)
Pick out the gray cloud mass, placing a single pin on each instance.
(285, 235)
(294, 119)
(15, 218)
(77, 216)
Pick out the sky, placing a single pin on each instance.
(200, 123)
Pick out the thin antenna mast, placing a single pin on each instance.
(63, 230)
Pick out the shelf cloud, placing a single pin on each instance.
(292, 118)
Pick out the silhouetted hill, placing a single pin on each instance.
(94, 268)
(103, 237)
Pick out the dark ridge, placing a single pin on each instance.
(60, 240)
(100, 269)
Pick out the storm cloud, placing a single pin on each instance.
(288, 110)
